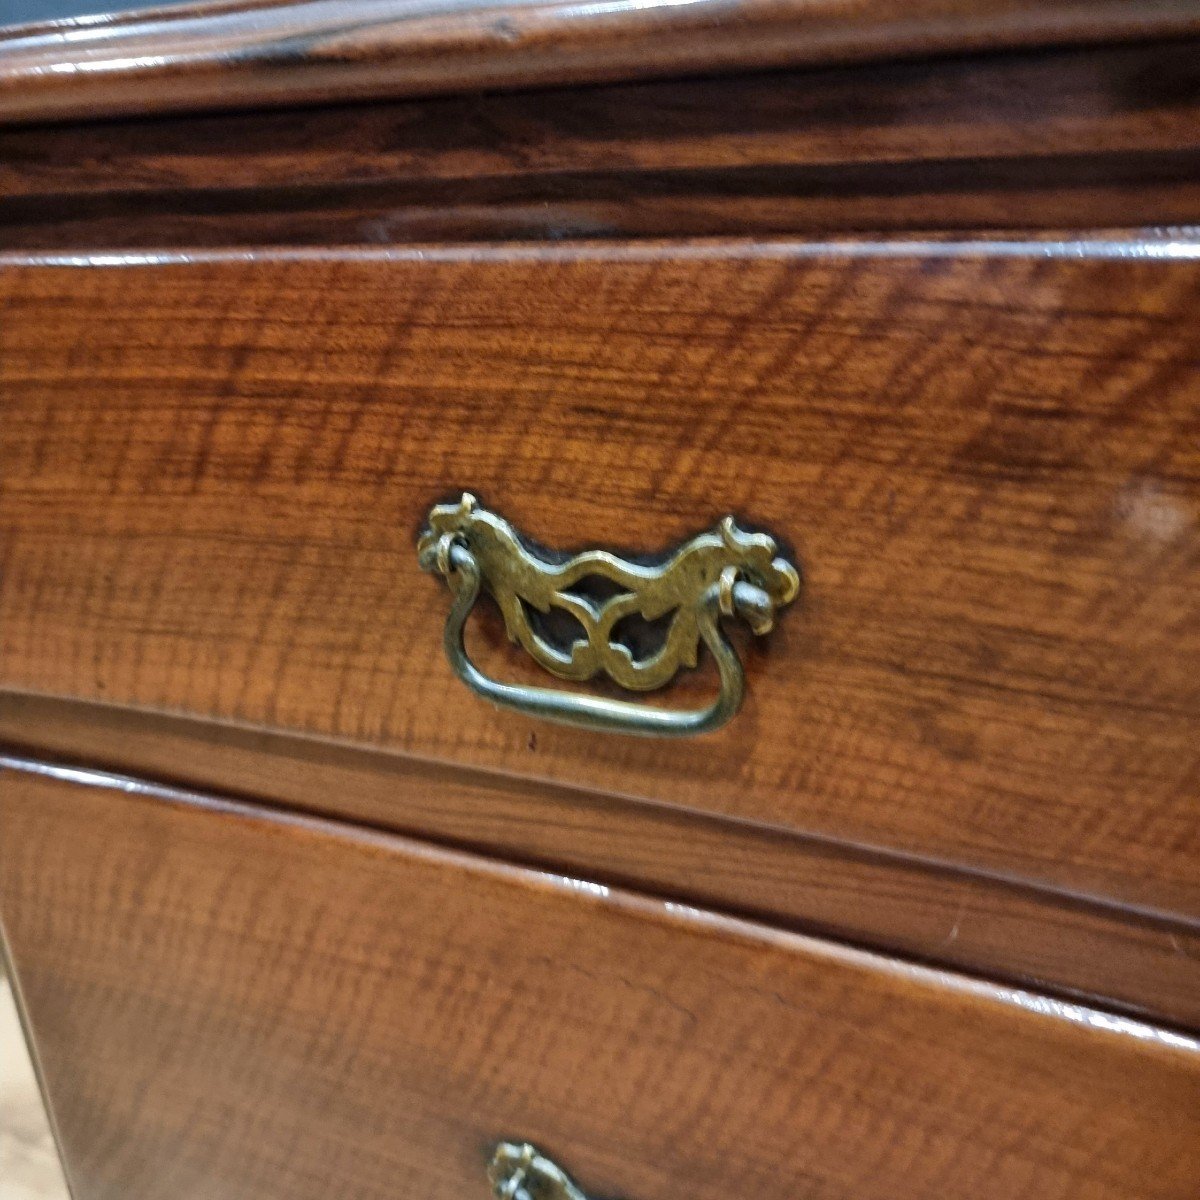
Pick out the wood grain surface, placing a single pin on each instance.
(247, 55)
(1096, 137)
(975, 922)
(229, 1002)
(984, 456)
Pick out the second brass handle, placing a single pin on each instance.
(721, 573)
(518, 1171)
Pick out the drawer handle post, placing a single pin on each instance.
(723, 572)
(518, 1171)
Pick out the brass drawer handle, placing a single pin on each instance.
(724, 572)
(518, 1172)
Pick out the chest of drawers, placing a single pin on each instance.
(909, 294)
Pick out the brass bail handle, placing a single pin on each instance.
(518, 1171)
(724, 572)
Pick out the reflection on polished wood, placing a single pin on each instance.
(262, 52)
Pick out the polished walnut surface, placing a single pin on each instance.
(983, 455)
(924, 918)
(237, 1002)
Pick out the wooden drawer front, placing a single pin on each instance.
(986, 458)
(228, 1002)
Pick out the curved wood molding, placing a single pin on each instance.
(268, 53)
(1096, 950)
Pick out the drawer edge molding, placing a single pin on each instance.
(1083, 952)
(205, 56)
(307, 827)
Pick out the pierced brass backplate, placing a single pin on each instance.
(724, 572)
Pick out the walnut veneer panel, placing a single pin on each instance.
(230, 1003)
(986, 456)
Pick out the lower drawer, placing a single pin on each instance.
(236, 1003)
